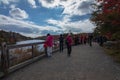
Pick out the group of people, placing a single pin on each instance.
(69, 40)
(101, 39)
(83, 39)
(49, 42)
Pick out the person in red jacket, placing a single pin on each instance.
(49, 43)
(69, 44)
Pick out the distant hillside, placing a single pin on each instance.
(41, 37)
(11, 37)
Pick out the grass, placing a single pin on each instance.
(114, 53)
(19, 55)
(23, 55)
(113, 49)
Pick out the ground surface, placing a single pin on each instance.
(85, 63)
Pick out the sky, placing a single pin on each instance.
(35, 18)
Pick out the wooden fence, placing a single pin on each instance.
(14, 57)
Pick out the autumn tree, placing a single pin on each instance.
(107, 17)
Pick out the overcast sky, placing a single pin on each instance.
(38, 17)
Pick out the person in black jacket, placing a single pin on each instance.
(90, 38)
(61, 41)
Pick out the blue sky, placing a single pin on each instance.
(38, 17)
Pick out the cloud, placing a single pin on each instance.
(75, 18)
(49, 3)
(18, 13)
(12, 6)
(85, 7)
(7, 2)
(30, 29)
(63, 0)
(78, 26)
(71, 7)
(32, 3)
(71, 10)
(26, 28)
(78, 7)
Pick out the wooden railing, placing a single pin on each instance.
(14, 57)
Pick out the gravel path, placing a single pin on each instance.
(85, 63)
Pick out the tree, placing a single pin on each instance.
(106, 17)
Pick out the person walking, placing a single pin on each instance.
(69, 44)
(81, 39)
(102, 39)
(90, 38)
(61, 41)
(49, 43)
(84, 39)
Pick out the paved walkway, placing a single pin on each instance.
(86, 63)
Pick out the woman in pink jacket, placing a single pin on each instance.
(69, 44)
(49, 43)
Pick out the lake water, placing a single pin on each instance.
(39, 47)
(29, 41)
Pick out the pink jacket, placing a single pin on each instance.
(69, 39)
(49, 41)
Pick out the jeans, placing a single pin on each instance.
(49, 51)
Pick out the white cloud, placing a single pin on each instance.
(49, 3)
(18, 13)
(78, 7)
(78, 26)
(32, 3)
(71, 7)
(30, 29)
(24, 27)
(8, 1)
(12, 6)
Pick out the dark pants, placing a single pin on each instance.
(45, 51)
(69, 49)
(90, 42)
(61, 47)
(101, 43)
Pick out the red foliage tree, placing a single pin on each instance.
(107, 16)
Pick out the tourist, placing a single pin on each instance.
(49, 43)
(69, 44)
(90, 38)
(61, 41)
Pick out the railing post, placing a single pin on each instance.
(32, 51)
(4, 58)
